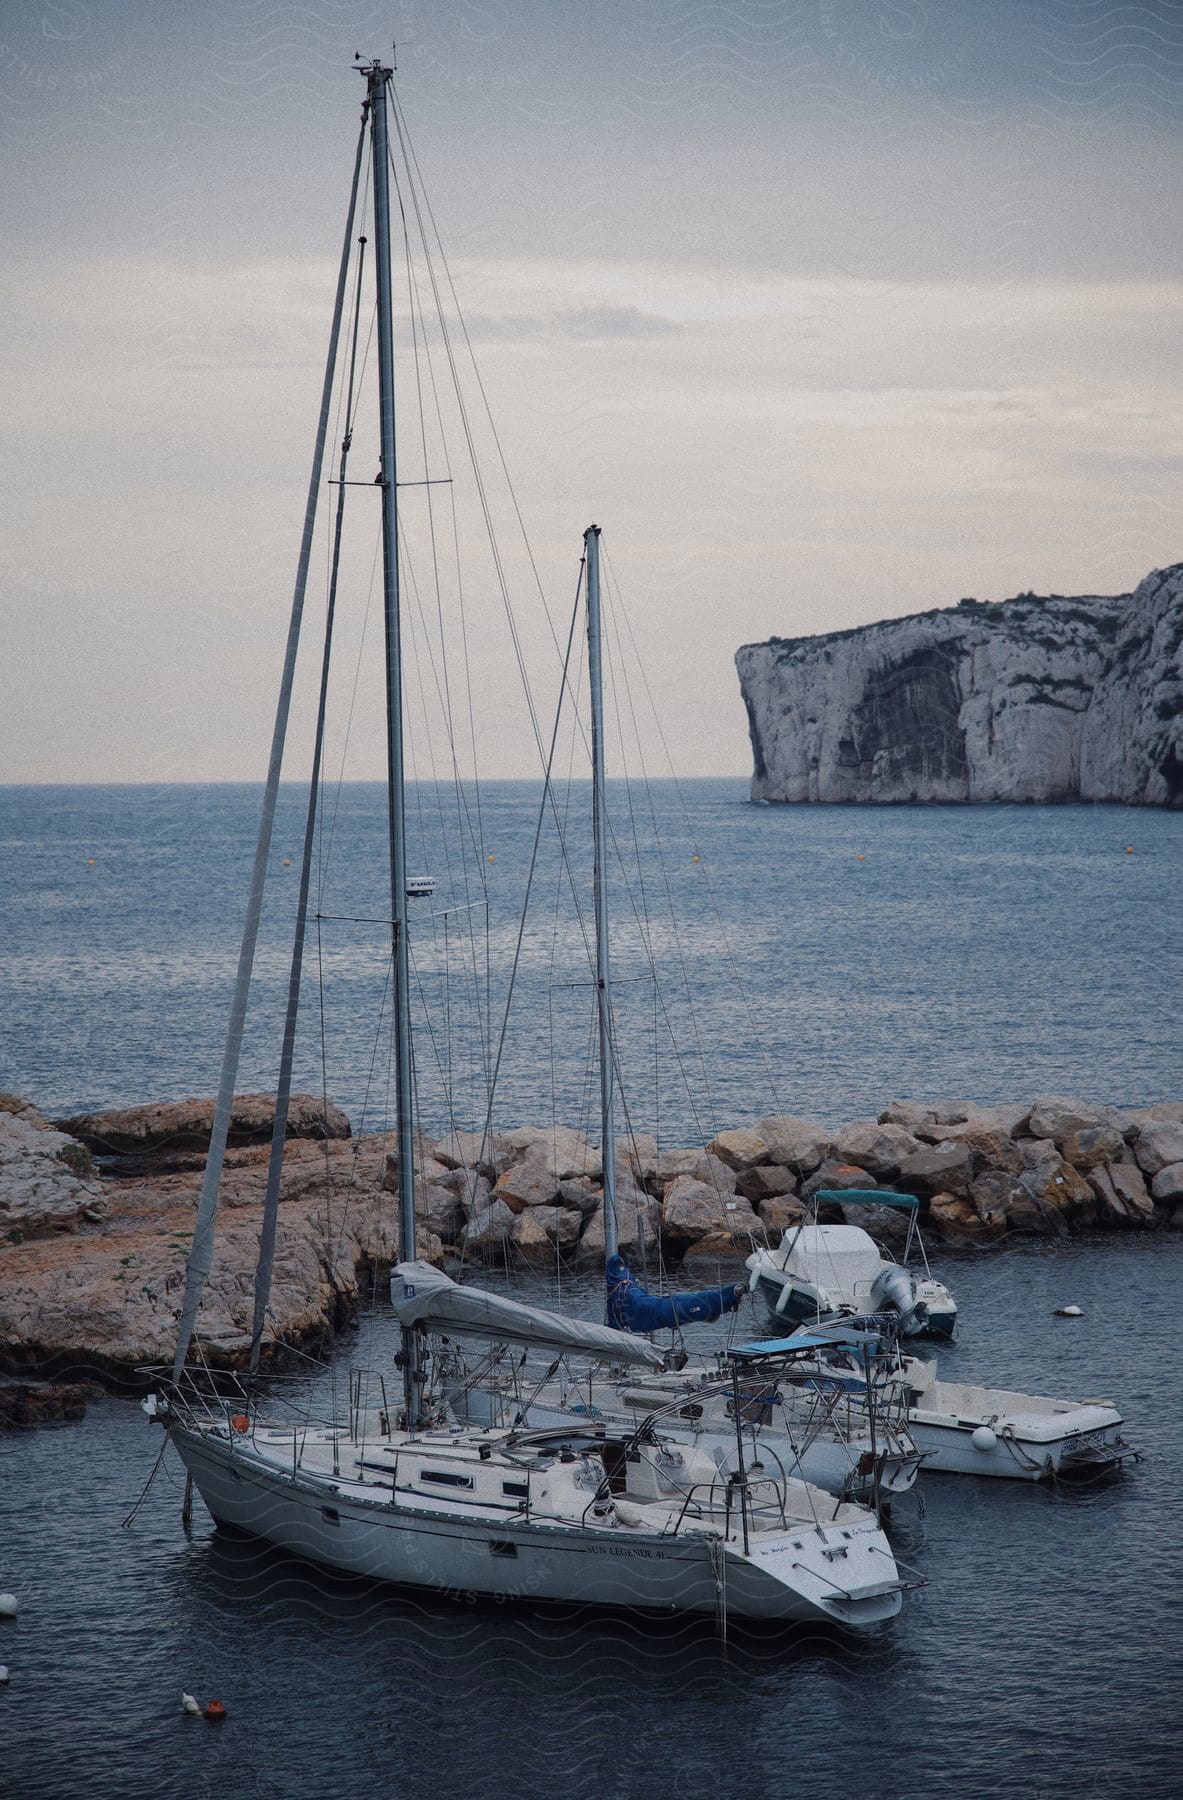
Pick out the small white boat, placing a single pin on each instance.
(827, 1271)
(965, 1429)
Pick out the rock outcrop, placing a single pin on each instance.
(1030, 699)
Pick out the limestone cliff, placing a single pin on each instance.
(1035, 698)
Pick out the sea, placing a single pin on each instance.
(815, 960)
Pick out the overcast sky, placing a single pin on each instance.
(826, 311)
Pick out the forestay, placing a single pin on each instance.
(422, 1295)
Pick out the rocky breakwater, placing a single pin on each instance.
(92, 1271)
(1039, 698)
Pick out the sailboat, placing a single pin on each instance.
(578, 1512)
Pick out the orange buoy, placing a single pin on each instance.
(862, 856)
(696, 859)
(215, 1710)
(287, 862)
(490, 857)
(1129, 849)
(240, 1422)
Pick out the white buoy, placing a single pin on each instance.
(189, 1705)
(7, 1606)
(3, 1674)
(983, 1438)
(1068, 1312)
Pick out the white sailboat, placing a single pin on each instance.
(610, 1517)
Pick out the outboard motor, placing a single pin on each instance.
(895, 1290)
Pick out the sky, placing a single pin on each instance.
(825, 312)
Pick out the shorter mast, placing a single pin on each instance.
(591, 543)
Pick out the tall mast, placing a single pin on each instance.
(378, 78)
(591, 545)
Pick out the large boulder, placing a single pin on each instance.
(43, 1181)
(1099, 1144)
(880, 1149)
(767, 1181)
(154, 1132)
(993, 1147)
(637, 1221)
(1055, 1117)
(475, 1150)
(933, 1120)
(563, 1152)
(635, 1156)
(1121, 1194)
(798, 1144)
(489, 1232)
(1168, 1183)
(719, 1258)
(1158, 1143)
(940, 1169)
(471, 1190)
(440, 1211)
(956, 1219)
(1001, 1204)
(580, 1196)
(741, 1149)
(779, 1215)
(693, 1209)
(529, 1182)
(1128, 1179)
(837, 1175)
(704, 1166)
(540, 1231)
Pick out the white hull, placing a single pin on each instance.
(357, 1527)
(1023, 1447)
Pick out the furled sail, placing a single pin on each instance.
(423, 1295)
(632, 1308)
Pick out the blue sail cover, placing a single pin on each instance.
(630, 1308)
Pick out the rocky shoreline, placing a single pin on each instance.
(97, 1213)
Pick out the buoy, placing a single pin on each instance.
(90, 862)
(3, 1674)
(983, 1438)
(861, 856)
(189, 1705)
(696, 859)
(7, 1606)
(240, 1422)
(490, 857)
(1068, 1312)
(287, 862)
(215, 1711)
(1129, 849)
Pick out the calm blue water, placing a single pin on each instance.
(1042, 1658)
(991, 953)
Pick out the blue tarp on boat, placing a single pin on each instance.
(631, 1308)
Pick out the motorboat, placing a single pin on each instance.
(826, 1271)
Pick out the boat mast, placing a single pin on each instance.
(591, 544)
(378, 78)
